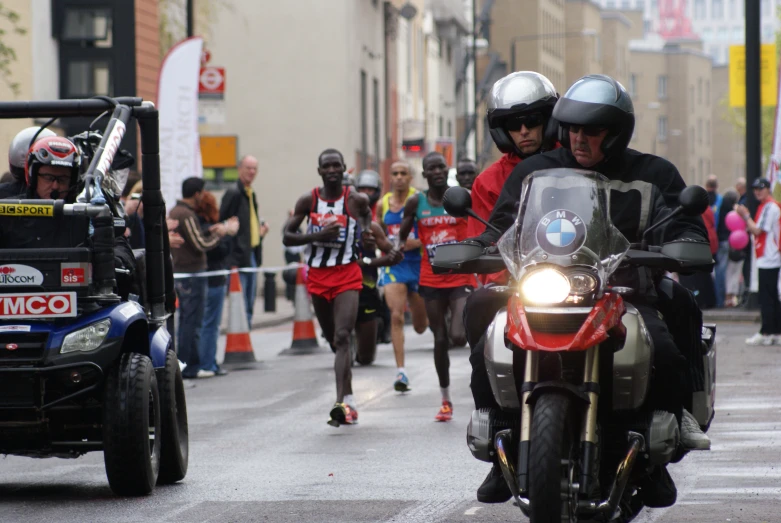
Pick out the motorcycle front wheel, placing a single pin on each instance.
(553, 460)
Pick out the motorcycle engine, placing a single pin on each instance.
(483, 426)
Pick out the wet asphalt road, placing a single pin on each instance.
(261, 450)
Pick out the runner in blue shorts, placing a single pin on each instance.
(400, 282)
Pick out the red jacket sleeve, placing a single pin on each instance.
(710, 224)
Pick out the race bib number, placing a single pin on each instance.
(317, 222)
(393, 232)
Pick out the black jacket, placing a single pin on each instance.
(236, 203)
(728, 201)
(644, 189)
(217, 257)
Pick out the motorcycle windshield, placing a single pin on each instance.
(564, 219)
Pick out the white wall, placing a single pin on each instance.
(44, 48)
(293, 89)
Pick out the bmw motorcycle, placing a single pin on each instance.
(569, 360)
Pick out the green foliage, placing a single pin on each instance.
(7, 53)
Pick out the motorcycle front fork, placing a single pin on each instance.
(588, 435)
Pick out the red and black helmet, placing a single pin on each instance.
(54, 151)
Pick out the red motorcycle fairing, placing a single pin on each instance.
(603, 318)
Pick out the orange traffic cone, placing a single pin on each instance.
(238, 348)
(304, 336)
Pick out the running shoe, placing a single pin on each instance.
(445, 411)
(402, 383)
(352, 415)
(342, 414)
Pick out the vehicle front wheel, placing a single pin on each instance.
(552, 460)
(131, 426)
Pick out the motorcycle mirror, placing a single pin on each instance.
(693, 200)
(457, 202)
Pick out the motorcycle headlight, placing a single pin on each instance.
(86, 339)
(582, 283)
(545, 286)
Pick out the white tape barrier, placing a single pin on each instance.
(226, 272)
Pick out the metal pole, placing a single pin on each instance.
(190, 21)
(474, 76)
(753, 112)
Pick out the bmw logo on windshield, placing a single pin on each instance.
(561, 232)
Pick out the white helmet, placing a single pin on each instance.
(20, 146)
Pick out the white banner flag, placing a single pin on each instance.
(177, 102)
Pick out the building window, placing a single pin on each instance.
(376, 110)
(765, 8)
(691, 98)
(699, 9)
(707, 134)
(640, 5)
(87, 78)
(87, 24)
(699, 131)
(409, 57)
(449, 54)
(722, 34)
(625, 4)
(767, 33)
(450, 128)
(441, 127)
(717, 10)
(700, 170)
(737, 33)
(632, 85)
(732, 13)
(610, 4)
(364, 123)
(661, 128)
(691, 139)
(707, 92)
(661, 90)
(699, 90)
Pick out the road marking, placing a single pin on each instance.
(472, 511)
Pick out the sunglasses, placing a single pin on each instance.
(49, 178)
(530, 121)
(588, 130)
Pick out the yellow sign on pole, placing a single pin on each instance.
(768, 71)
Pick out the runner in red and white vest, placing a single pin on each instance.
(766, 229)
(441, 291)
(336, 216)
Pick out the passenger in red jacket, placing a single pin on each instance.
(519, 113)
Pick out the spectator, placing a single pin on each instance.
(766, 227)
(215, 295)
(728, 202)
(247, 248)
(740, 186)
(714, 198)
(190, 259)
(134, 220)
(292, 255)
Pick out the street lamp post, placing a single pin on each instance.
(542, 36)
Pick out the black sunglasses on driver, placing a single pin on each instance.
(530, 121)
(588, 130)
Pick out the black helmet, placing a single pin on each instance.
(598, 99)
(519, 93)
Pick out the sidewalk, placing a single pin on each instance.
(731, 315)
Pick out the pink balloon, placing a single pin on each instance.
(734, 222)
(738, 239)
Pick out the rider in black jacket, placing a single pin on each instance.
(596, 118)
